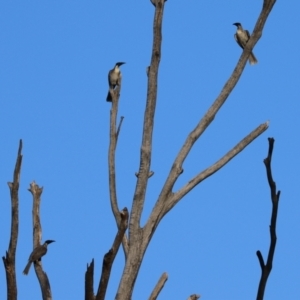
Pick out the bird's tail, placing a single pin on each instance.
(109, 98)
(252, 59)
(26, 270)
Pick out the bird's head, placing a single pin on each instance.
(49, 242)
(118, 64)
(237, 24)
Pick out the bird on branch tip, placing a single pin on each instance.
(114, 79)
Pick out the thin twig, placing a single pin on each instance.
(266, 268)
(119, 127)
(158, 287)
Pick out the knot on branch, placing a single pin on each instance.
(124, 213)
(151, 173)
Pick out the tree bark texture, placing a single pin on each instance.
(158, 287)
(9, 260)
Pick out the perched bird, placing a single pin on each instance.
(114, 78)
(242, 36)
(36, 254)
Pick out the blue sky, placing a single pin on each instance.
(54, 58)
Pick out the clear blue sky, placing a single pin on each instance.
(54, 58)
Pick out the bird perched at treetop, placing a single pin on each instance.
(114, 79)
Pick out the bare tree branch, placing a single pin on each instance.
(109, 257)
(135, 254)
(161, 208)
(36, 192)
(89, 282)
(114, 134)
(146, 148)
(9, 260)
(266, 268)
(216, 166)
(158, 287)
(135, 237)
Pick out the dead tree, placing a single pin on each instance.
(136, 241)
(9, 259)
(267, 267)
(138, 238)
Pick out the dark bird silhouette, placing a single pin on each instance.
(242, 36)
(36, 254)
(114, 78)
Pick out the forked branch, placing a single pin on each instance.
(217, 165)
(109, 257)
(106, 267)
(220, 100)
(162, 208)
(266, 268)
(176, 169)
